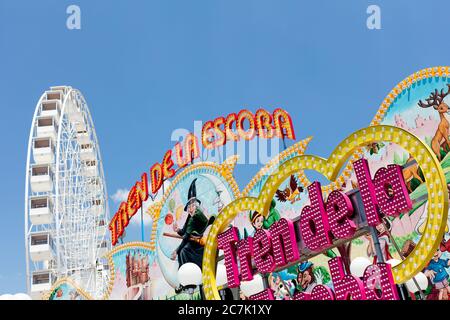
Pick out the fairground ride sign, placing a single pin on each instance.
(244, 125)
(325, 224)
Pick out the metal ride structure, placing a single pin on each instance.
(66, 207)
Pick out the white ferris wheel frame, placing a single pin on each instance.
(70, 237)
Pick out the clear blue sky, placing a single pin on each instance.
(147, 67)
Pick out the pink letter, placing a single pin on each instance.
(345, 286)
(244, 250)
(396, 200)
(313, 220)
(284, 243)
(226, 241)
(379, 283)
(263, 295)
(367, 191)
(262, 251)
(321, 292)
(340, 209)
(387, 192)
(302, 296)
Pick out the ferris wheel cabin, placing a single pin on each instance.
(54, 95)
(47, 127)
(94, 184)
(51, 108)
(41, 210)
(41, 178)
(83, 137)
(87, 152)
(41, 246)
(41, 282)
(90, 168)
(103, 248)
(97, 207)
(74, 111)
(43, 150)
(101, 226)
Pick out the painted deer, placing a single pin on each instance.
(436, 100)
(411, 172)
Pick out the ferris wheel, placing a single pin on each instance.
(66, 208)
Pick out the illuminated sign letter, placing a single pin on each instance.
(264, 124)
(242, 116)
(244, 249)
(156, 175)
(345, 286)
(367, 191)
(167, 165)
(142, 189)
(208, 135)
(181, 161)
(320, 292)
(379, 283)
(113, 229)
(232, 117)
(390, 190)
(262, 252)
(313, 220)
(339, 210)
(132, 205)
(123, 216)
(284, 243)
(387, 191)
(226, 241)
(191, 147)
(220, 134)
(263, 295)
(283, 124)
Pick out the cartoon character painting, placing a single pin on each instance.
(282, 290)
(191, 247)
(257, 221)
(440, 138)
(306, 279)
(383, 238)
(436, 272)
(273, 215)
(291, 193)
(422, 109)
(66, 291)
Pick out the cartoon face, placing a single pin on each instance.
(258, 223)
(281, 291)
(191, 208)
(306, 278)
(437, 254)
(381, 228)
(443, 107)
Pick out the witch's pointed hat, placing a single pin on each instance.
(192, 195)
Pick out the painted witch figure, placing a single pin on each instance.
(192, 246)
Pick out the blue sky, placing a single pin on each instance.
(148, 67)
